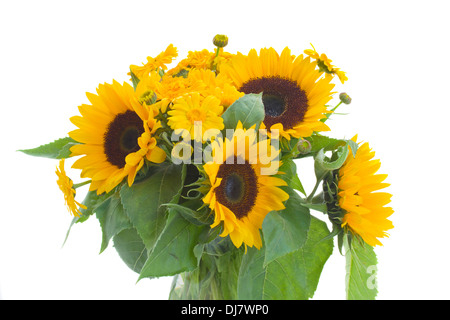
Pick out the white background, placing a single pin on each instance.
(396, 55)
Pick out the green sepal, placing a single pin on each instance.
(58, 149)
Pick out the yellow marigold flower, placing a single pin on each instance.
(152, 64)
(294, 93)
(241, 195)
(219, 86)
(192, 108)
(365, 211)
(324, 64)
(202, 60)
(66, 186)
(115, 135)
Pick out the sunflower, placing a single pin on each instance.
(294, 93)
(193, 108)
(66, 186)
(241, 192)
(365, 211)
(115, 135)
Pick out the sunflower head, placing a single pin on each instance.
(115, 134)
(66, 186)
(294, 93)
(240, 194)
(359, 206)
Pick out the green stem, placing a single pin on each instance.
(77, 185)
(313, 192)
(336, 106)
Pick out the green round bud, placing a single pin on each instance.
(345, 98)
(220, 40)
(303, 146)
(148, 97)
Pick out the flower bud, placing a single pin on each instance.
(148, 97)
(345, 98)
(303, 146)
(220, 40)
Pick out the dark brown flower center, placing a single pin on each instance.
(121, 137)
(284, 101)
(239, 187)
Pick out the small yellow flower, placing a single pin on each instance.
(192, 109)
(152, 64)
(219, 86)
(66, 186)
(324, 64)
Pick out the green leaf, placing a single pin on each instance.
(290, 175)
(248, 109)
(91, 201)
(286, 231)
(174, 251)
(193, 216)
(134, 80)
(252, 275)
(336, 161)
(361, 267)
(319, 142)
(112, 219)
(228, 266)
(57, 149)
(131, 249)
(292, 276)
(142, 201)
(296, 275)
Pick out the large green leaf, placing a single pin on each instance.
(143, 201)
(296, 275)
(174, 251)
(292, 276)
(248, 109)
(361, 267)
(112, 219)
(57, 149)
(252, 275)
(131, 249)
(286, 231)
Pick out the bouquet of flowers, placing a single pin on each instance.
(192, 173)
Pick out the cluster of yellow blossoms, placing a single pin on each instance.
(123, 127)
